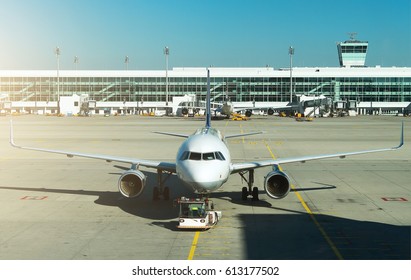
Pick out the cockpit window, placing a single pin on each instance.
(199, 156)
(208, 156)
(219, 156)
(195, 156)
(185, 155)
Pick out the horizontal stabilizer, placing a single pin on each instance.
(172, 134)
(243, 134)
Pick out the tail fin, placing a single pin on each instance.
(208, 101)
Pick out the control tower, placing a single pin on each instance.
(352, 53)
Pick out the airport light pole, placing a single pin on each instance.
(126, 61)
(166, 53)
(57, 52)
(291, 53)
(76, 61)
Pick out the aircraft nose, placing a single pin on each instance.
(202, 180)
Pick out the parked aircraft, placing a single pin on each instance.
(203, 162)
(227, 108)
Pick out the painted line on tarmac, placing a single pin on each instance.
(310, 213)
(193, 246)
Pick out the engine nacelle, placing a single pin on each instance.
(184, 111)
(270, 111)
(131, 183)
(277, 184)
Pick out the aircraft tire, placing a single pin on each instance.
(244, 194)
(156, 193)
(255, 194)
(166, 193)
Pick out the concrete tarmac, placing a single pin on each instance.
(54, 207)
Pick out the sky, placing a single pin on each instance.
(199, 33)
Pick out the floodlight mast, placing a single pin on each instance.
(126, 61)
(166, 53)
(291, 52)
(76, 61)
(57, 52)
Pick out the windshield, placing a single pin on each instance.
(202, 156)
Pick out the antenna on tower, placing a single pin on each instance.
(352, 35)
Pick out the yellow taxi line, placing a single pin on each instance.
(193, 246)
(308, 210)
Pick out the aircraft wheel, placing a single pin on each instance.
(156, 193)
(244, 193)
(166, 193)
(255, 194)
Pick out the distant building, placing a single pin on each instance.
(377, 89)
(366, 90)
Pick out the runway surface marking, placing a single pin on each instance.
(308, 210)
(303, 203)
(193, 246)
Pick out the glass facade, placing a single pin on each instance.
(260, 88)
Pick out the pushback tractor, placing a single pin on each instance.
(197, 213)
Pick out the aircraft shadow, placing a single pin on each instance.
(143, 206)
(296, 237)
(291, 236)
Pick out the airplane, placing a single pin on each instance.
(203, 162)
(227, 108)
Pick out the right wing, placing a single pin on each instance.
(238, 167)
(159, 165)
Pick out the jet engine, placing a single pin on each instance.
(184, 111)
(131, 183)
(270, 112)
(277, 184)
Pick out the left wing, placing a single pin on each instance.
(238, 167)
(168, 166)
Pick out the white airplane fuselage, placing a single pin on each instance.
(203, 161)
(227, 108)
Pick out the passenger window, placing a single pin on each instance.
(208, 156)
(195, 156)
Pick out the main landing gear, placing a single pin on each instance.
(253, 191)
(161, 190)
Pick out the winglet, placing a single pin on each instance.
(402, 137)
(12, 135)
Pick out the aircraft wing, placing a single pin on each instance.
(238, 167)
(238, 109)
(168, 166)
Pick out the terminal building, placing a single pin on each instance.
(353, 86)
